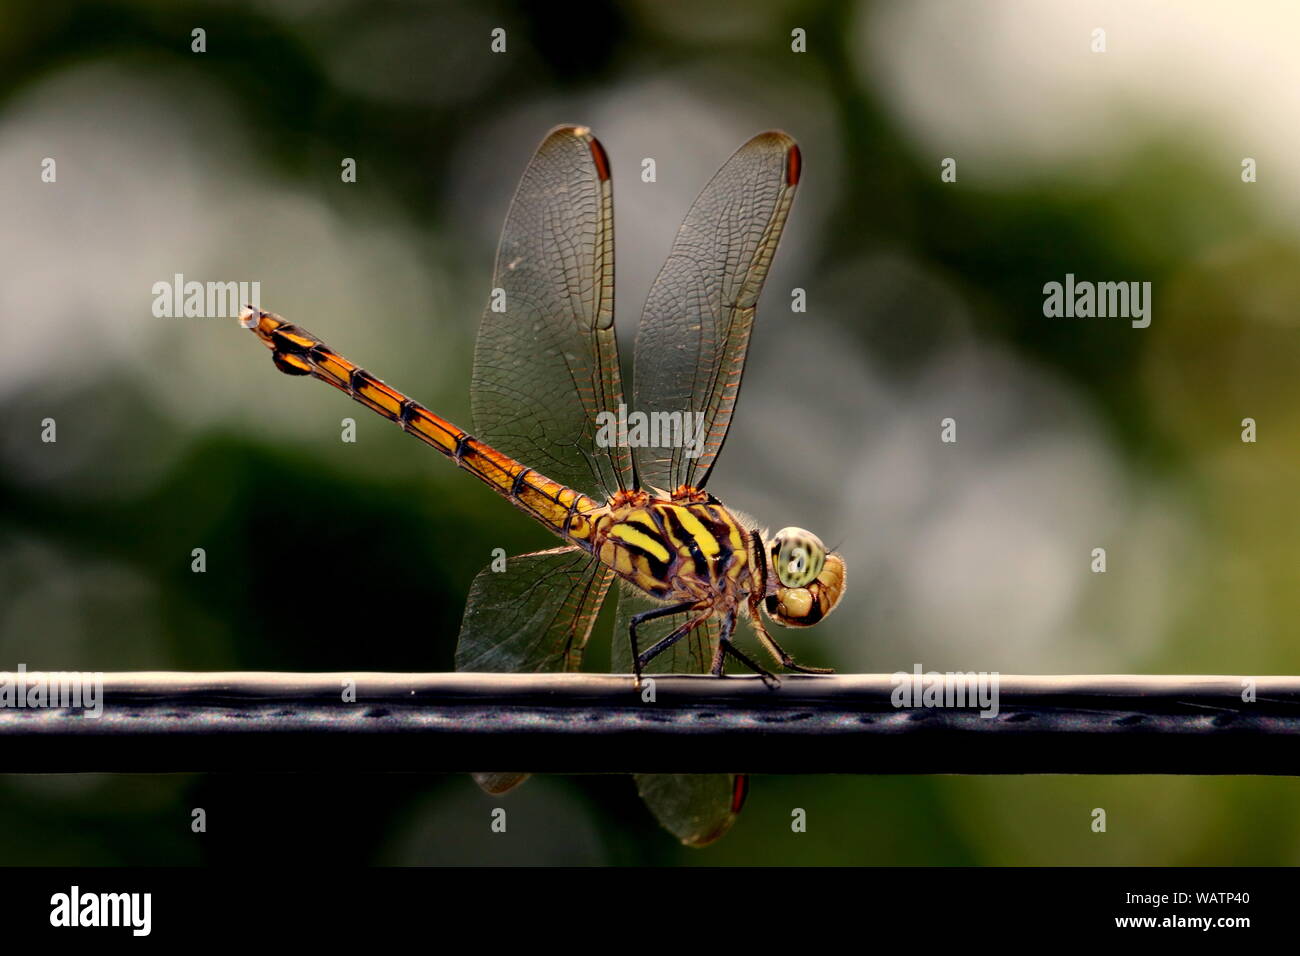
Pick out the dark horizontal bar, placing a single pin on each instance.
(590, 723)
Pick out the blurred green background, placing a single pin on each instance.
(925, 301)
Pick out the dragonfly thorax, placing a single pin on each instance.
(689, 548)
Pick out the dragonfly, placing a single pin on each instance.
(624, 490)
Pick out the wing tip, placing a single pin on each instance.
(776, 139)
(570, 129)
(598, 155)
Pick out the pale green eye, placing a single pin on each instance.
(798, 557)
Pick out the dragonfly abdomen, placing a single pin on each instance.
(298, 352)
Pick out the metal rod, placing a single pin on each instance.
(591, 723)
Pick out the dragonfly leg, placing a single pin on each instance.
(725, 647)
(720, 655)
(650, 615)
(719, 659)
(779, 653)
(647, 656)
(765, 675)
(791, 665)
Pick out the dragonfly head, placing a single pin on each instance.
(809, 579)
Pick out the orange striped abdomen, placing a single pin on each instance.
(297, 352)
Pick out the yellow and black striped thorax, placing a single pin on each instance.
(672, 549)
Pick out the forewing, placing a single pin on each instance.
(694, 333)
(695, 808)
(546, 364)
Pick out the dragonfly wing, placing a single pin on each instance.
(695, 808)
(536, 615)
(546, 359)
(495, 783)
(694, 333)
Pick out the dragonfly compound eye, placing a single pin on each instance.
(797, 556)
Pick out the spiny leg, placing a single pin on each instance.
(725, 647)
(768, 678)
(779, 653)
(790, 664)
(719, 655)
(671, 639)
(650, 615)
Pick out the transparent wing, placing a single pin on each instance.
(534, 616)
(694, 333)
(546, 360)
(695, 808)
